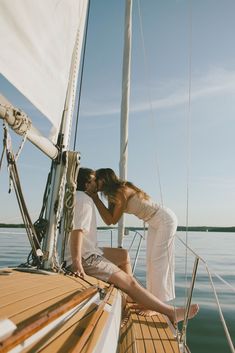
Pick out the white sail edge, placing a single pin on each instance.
(49, 246)
(125, 106)
(38, 40)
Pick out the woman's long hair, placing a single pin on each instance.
(112, 184)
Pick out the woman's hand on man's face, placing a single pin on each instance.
(92, 194)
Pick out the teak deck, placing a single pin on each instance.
(147, 335)
(26, 297)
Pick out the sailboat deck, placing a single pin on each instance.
(142, 334)
(26, 297)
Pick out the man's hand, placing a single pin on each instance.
(78, 268)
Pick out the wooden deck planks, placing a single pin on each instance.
(147, 335)
(36, 292)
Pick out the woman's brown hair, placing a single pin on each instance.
(112, 184)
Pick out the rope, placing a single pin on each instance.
(21, 145)
(55, 261)
(67, 271)
(22, 123)
(72, 159)
(8, 145)
(4, 143)
(41, 224)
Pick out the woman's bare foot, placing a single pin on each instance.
(146, 312)
(141, 310)
(176, 316)
(178, 313)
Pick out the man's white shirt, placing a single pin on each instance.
(85, 220)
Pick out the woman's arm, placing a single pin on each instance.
(113, 213)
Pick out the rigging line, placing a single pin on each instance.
(81, 80)
(46, 193)
(188, 128)
(227, 334)
(156, 153)
(24, 212)
(69, 273)
(149, 97)
(9, 148)
(205, 263)
(14, 178)
(20, 148)
(4, 144)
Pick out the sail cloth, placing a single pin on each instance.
(37, 42)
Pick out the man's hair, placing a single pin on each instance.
(84, 176)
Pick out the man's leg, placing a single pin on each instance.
(130, 286)
(119, 257)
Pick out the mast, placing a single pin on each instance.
(125, 106)
(59, 170)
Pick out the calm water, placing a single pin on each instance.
(205, 333)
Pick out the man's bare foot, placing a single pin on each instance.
(178, 313)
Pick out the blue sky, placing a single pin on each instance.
(190, 146)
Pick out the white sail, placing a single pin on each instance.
(37, 42)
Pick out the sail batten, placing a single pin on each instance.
(37, 40)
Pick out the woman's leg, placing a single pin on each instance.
(119, 257)
(160, 255)
(130, 286)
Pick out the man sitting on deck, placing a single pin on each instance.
(111, 265)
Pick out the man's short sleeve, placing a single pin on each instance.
(83, 212)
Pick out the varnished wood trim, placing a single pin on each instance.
(40, 320)
(89, 329)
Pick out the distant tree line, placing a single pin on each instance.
(179, 228)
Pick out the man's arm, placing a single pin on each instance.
(76, 240)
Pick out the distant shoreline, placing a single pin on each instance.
(179, 228)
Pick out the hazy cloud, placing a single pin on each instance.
(173, 93)
(215, 182)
